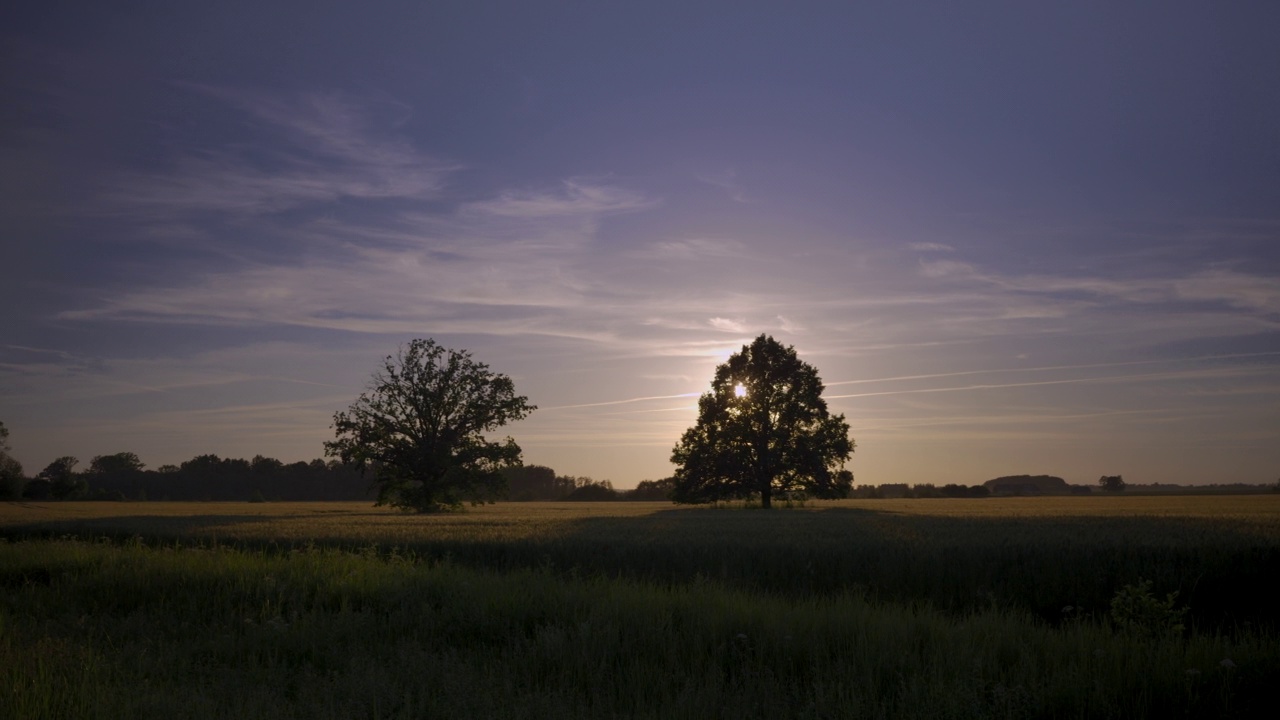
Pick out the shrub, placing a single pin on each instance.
(1135, 608)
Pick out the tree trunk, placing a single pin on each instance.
(766, 496)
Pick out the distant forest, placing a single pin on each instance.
(123, 476)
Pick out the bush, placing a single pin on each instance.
(1135, 608)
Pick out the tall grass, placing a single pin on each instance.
(1033, 554)
(943, 608)
(136, 630)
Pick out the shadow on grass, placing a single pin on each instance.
(961, 564)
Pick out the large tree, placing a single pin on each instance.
(763, 430)
(421, 428)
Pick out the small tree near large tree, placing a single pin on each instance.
(763, 430)
(420, 428)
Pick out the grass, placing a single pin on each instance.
(915, 608)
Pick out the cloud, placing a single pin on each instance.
(1236, 289)
(578, 198)
(948, 269)
(727, 325)
(788, 326)
(726, 180)
(509, 266)
(930, 247)
(82, 379)
(696, 248)
(318, 148)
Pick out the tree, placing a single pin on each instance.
(652, 490)
(117, 475)
(533, 482)
(11, 480)
(1112, 483)
(118, 464)
(420, 428)
(64, 483)
(763, 429)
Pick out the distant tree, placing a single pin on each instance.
(591, 490)
(964, 491)
(1027, 485)
(1112, 483)
(653, 490)
(121, 463)
(531, 482)
(763, 430)
(64, 482)
(265, 465)
(11, 478)
(420, 428)
(118, 474)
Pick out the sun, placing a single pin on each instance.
(739, 390)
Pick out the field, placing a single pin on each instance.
(1002, 607)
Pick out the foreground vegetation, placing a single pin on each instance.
(942, 608)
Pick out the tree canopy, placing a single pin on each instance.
(10, 469)
(763, 430)
(420, 428)
(64, 482)
(1112, 483)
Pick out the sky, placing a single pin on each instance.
(1012, 237)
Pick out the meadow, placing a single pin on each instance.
(1000, 607)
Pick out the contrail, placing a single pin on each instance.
(1045, 369)
(1011, 385)
(622, 402)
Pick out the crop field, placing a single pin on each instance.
(1002, 607)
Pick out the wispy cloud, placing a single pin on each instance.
(930, 247)
(577, 198)
(727, 325)
(696, 248)
(444, 284)
(325, 149)
(1260, 293)
(726, 180)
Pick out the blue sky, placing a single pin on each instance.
(1012, 238)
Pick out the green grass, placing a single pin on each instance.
(878, 609)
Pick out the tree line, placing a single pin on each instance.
(538, 482)
(123, 476)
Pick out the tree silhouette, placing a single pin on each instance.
(1112, 483)
(64, 482)
(763, 429)
(11, 480)
(420, 428)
